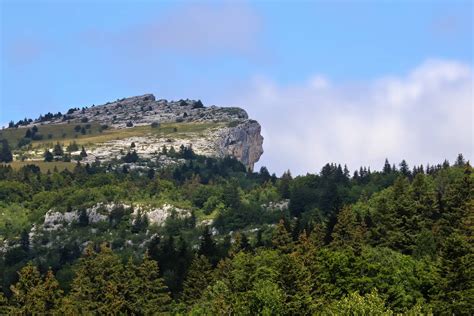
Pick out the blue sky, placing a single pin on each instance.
(59, 54)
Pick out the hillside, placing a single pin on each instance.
(107, 131)
(145, 206)
(208, 237)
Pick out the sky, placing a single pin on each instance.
(349, 82)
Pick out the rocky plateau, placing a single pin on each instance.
(228, 132)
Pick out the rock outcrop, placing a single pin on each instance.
(243, 142)
(228, 132)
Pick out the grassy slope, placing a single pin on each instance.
(65, 134)
(44, 166)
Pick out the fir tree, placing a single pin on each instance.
(459, 161)
(83, 153)
(48, 156)
(32, 295)
(284, 185)
(347, 231)
(145, 292)
(404, 170)
(208, 246)
(99, 285)
(28, 133)
(198, 278)
(58, 150)
(386, 167)
(282, 238)
(24, 292)
(5, 152)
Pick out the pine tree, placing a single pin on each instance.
(404, 169)
(28, 134)
(284, 185)
(318, 235)
(198, 278)
(282, 238)
(459, 199)
(207, 247)
(424, 203)
(83, 153)
(146, 293)
(24, 292)
(295, 281)
(51, 293)
(32, 295)
(386, 167)
(100, 284)
(460, 161)
(48, 156)
(305, 249)
(5, 152)
(58, 150)
(347, 231)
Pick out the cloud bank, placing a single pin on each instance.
(423, 117)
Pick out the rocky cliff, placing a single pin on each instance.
(150, 124)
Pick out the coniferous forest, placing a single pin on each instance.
(335, 242)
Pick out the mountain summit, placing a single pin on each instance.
(145, 125)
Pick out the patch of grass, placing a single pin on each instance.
(65, 133)
(51, 133)
(44, 166)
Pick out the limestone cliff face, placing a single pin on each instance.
(243, 142)
(228, 130)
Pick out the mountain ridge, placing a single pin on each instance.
(150, 124)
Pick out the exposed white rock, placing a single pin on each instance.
(159, 215)
(54, 220)
(277, 206)
(234, 134)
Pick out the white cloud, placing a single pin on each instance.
(423, 117)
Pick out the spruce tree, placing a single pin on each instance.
(100, 284)
(58, 150)
(34, 296)
(48, 156)
(83, 153)
(198, 278)
(318, 235)
(51, 294)
(404, 169)
(5, 152)
(386, 167)
(146, 292)
(24, 292)
(347, 231)
(28, 134)
(282, 238)
(284, 185)
(208, 246)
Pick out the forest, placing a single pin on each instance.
(398, 241)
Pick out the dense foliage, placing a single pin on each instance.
(395, 241)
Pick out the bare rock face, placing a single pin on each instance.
(229, 130)
(243, 142)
